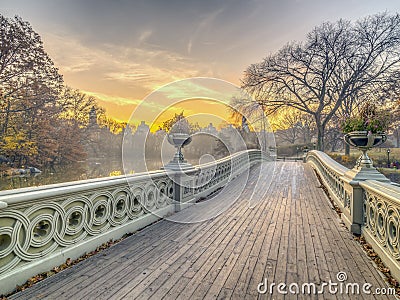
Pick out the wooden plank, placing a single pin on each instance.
(265, 266)
(145, 280)
(205, 263)
(291, 236)
(225, 294)
(174, 292)
(95, 264)
(301, 261)
(152, 270)
(242, 247)
(243, 282)
(242, 272)
(316, 264)
(204, 287)
(175, 276)
(351, 258)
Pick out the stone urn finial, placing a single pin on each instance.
(364, 141)
(179, 137)
(364, 168)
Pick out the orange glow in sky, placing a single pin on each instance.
(121, 51)
(201, 111)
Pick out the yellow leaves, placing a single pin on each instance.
(379, 264)
(68, 263)
(384, 270)
(367, 247)
(394, 282)
(346, 158)
(115, 173)
(19, 144)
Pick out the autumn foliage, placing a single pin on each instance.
(42, 122)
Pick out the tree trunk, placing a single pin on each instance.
(320, 138)
(6, 119)
(333, 146)
(346, 149)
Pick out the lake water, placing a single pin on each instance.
(78, 171)
(72, 172)
(89, 170)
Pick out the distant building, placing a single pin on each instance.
(143, 128)
(210, 129)
(99, 142)
(93, 129)
(93, 117)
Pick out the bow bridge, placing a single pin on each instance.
(236, 228)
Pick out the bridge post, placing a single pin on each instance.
(183, 188)
(178, 191)
(353, 211)
(354, 195)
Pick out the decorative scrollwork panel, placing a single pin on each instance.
(383, 222)
(34, 232)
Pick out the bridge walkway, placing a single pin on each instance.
(292, 236)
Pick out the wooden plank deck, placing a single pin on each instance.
(293, 236)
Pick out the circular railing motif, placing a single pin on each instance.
(392, 228)
(383, 221)
(39, 230)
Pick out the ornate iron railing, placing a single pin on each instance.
(382, 221)
(42, 227)
(213, 175)
(373, 205)
(331, 173)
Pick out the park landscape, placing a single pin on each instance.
(132, 170)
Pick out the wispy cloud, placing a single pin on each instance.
(69, 54)
(189, 46)
(206, 88)
(144, 36)
(151, 104)
(127, 76)
(114, 99)
(207, 21)
(146, 67)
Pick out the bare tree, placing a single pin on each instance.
(333, 135)
(337, 62)
(287, 126)
(395, 124)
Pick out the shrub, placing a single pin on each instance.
(369, 118)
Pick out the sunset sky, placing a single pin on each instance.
(121, 50)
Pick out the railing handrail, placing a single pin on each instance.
(114, 179)
(387, 190)
(56, 189)
(329, 162)
(368, 207)
(219, 161)
(24, 194)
